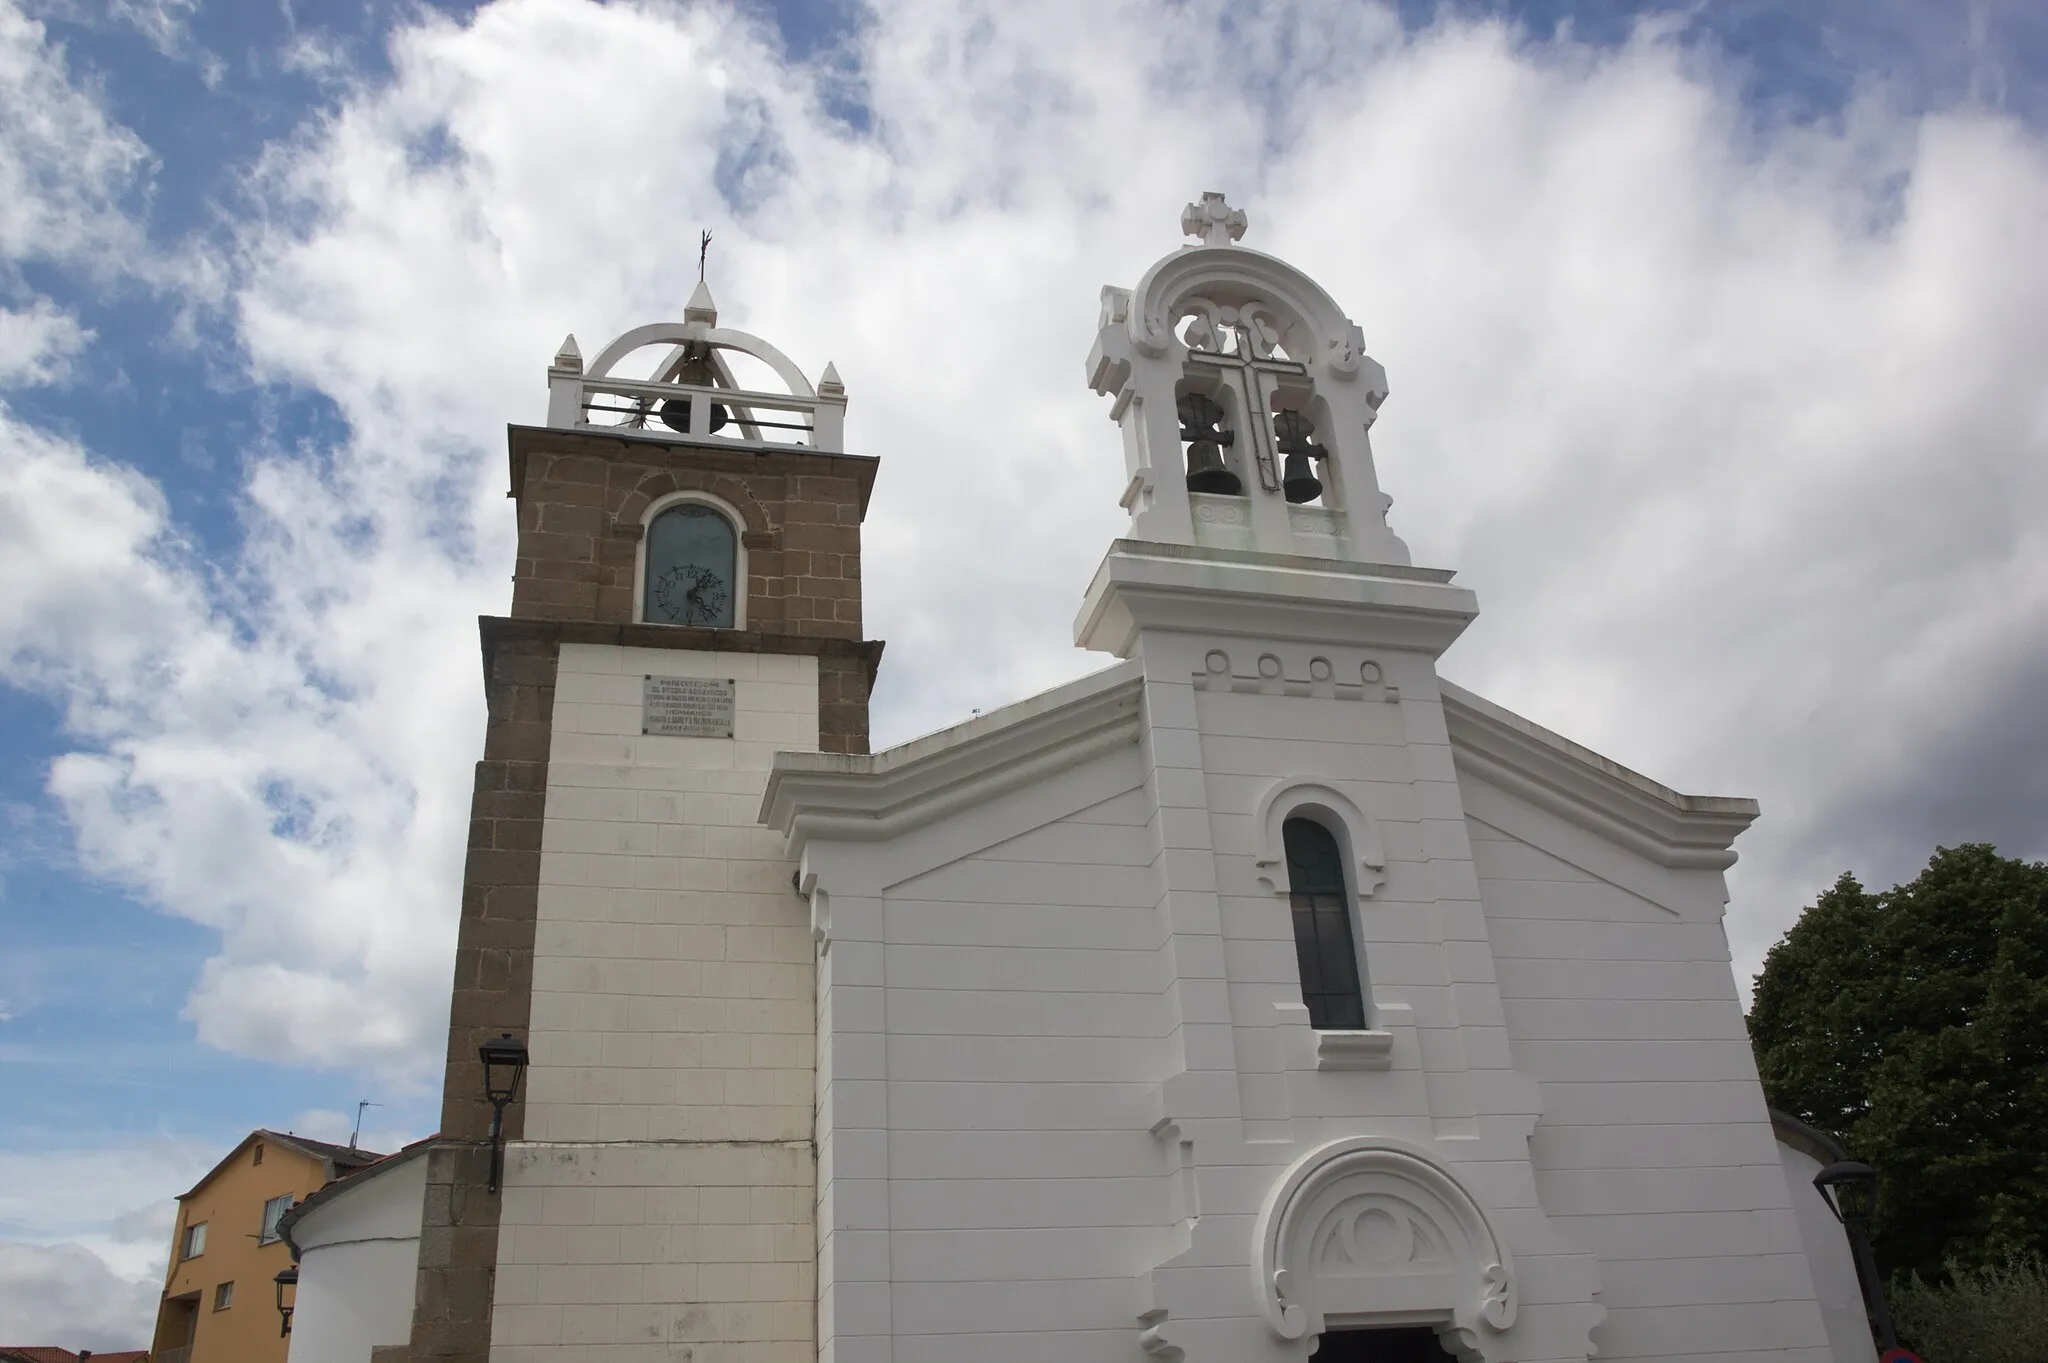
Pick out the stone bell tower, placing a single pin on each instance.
(686, 603)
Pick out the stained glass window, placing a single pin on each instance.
(691, 553)
(1322, 927)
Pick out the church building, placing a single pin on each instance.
(1262, 994)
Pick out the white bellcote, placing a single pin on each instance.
(1244, 394)
(694, 390)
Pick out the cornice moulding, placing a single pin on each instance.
(855, 798)
(1683, 832)
(1234, 592)
(720, 453)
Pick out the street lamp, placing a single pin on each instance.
(1850, 1190)
(504, 1060)
(287, 1278)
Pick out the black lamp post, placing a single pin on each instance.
(504, 1060)
(1850, 1190)
(287, 1280)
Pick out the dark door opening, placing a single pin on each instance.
(1406, 1344)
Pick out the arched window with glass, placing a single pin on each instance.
(1323, 945)
(692, 571)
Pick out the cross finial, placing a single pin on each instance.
(1213, 220)
(703, 250)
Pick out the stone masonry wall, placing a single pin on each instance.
(582, 497)
(493, 986)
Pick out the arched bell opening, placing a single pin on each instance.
(1209, 437)
(1300, 424)
(699, 381)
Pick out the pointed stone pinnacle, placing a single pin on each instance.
(569, 356)
(829, 382)
(700, 307)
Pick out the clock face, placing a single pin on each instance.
(692, 594)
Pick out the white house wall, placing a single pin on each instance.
(1655, 1151)
(667, 1160)
(358, 1254)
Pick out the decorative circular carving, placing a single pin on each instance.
(1221, 513)
(1369, 673)
(1319, 669)
(1217, 662)
(1269, 666)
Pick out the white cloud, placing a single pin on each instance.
(1730, 428)
(65, 1295)
(86, 1235)
(64, 164)
(38, 344)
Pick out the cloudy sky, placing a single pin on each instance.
(1717, 336)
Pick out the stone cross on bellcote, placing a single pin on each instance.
(1213, 220)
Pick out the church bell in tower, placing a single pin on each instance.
(1291, 431)
(1201, 426)
(696, 370)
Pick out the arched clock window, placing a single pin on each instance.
(1322, 927)
(691, 576)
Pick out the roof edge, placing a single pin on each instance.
(1810, 1140)
(320, 1197)
(1684, 832)
(863, 798)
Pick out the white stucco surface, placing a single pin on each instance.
(359, 1250)
(1834, 1265)
(662, 1198)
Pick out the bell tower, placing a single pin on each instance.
(1296, 747)
(1245, 397)
(686, 603)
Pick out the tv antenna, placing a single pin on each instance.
(355, 1134)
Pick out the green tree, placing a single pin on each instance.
(1914, 1024)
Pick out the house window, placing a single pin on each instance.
(259, 1156)
(1322, 927)
(691, 576)
(272, 1211)
(195, 1242)
(223, 1296)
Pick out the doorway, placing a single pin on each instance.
(1404, 1344)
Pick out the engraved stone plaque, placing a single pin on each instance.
(686, 707)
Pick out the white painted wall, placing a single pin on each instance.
(359, 1253)
(1655, 1150)
(1063, 1061)
(662, 1200)
(1833, 1264)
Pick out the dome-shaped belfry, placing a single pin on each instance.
(1244, 394)
(692, 390)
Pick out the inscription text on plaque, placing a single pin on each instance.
(686, 707)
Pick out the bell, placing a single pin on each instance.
(1200, 425)
(1299, 481)
(1208, 473)
(675, 414)
(1292, 431)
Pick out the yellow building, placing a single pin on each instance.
(220, 1299)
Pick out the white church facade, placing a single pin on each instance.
(1260, 995)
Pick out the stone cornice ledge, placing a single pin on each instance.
(1222, 592)
(1684, 832)
(849, 798)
